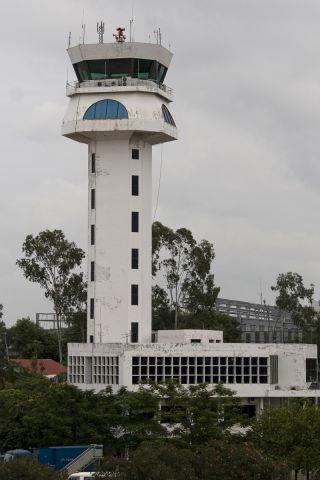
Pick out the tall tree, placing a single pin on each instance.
(186, 266)
(49, 260)
(294, 297)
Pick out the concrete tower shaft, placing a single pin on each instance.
(119, 107)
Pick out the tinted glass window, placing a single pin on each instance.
(134, 295)
(105, 109)
(134, 258)
(135, 154)
(167, 116)
(135, 185)
(135, 221)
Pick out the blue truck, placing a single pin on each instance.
(68, 458)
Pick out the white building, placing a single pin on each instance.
(119, 107)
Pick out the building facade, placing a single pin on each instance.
(119, 107)
(261, 323)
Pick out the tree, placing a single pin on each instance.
(291, 434)
(49, 261)
(186, 266)
(222, 460)
(1, 311)
(213, 320)
(26, 469)
(291, 295)
(26, 339)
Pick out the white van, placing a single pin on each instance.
(81, 476)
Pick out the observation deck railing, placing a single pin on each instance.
(117, 82)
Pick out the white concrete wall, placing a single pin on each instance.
(186, 335)
(114, 240)
(292, 375)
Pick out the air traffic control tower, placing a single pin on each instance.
(119, 107)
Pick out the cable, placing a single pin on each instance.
(159, 184)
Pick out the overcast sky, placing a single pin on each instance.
(245, 171)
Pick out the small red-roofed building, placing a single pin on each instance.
(43, 366)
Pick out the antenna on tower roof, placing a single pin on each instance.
(83, 26)
(100, 31)
(131, 29)
(69, 40)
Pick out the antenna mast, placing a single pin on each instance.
(100, 31)
(69, 40)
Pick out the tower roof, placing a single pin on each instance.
(138, 50)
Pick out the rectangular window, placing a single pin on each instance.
(93, 198)
(135, 185)
(135, 222)
(134, 258)
(273, 369)
(134, 295)
(135, 154)
(311, 370)
(91, 338)
(93, 163)
(91, 308)
(134, 332)
(92, 272)
(92, 235)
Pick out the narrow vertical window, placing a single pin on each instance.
(92, 272)
(134, 332)
(134, 295)
(135, 221)
(134, 258)
(93, 163)
(135, 185)
(91, 338)
(92, 235)
(93, 198)
(135, 154)
(91, 308)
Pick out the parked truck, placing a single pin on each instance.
(66, 458)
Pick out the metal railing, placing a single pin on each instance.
(119, 82)
(94, 452)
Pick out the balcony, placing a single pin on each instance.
(117, 84)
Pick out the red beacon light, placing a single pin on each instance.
(120, 36)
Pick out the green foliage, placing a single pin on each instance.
(291, 434)
(186, 266)
(291, 297)
(221, 460)
(190, 293)
(198, 414)
(213, 320)
(25, 469)
(49, 260)
(27, 340)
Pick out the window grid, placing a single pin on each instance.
(76, 369)
(105, 370)
(193, 370)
